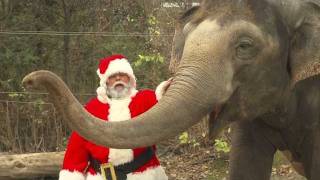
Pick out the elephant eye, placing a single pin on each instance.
(246, 49)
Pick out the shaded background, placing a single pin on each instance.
(69, 37)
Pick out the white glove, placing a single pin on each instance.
(162, 88)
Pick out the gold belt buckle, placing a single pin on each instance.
(109, 166)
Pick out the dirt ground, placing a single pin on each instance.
(184, 162)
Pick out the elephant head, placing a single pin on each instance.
(269, 46)
(240, 56)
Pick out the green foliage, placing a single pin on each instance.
(153, 25)
(144, 60)
(150, 70)
(38, 105)
(15, 95)
(65, 142)
(21, 54)
(122, 27)
(5, 85)
(221, 146)
(185, 139)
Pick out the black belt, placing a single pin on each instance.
(122, 170)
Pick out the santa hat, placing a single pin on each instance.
(109, 66)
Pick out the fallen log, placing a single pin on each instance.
(28, 166)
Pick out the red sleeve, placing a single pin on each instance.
(98, 109)
(77, 156)
(150, 98)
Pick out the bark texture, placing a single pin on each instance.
(28, 166)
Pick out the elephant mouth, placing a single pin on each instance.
(216, 111)
(216, 123)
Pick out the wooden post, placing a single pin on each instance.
(27, 166)
(10, 131)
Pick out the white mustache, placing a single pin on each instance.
(119, 83)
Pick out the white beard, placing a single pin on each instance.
(114, 93)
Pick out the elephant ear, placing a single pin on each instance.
(304, 57)
(182, 26)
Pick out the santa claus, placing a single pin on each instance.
(117, 100)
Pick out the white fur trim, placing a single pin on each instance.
(119, 65)
(94, 177)
(156, 173)
(120, 156)
(119, 111)
(160, 90)
(102, 95)
(68, 175)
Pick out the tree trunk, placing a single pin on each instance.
(27, 166)
(66, 41)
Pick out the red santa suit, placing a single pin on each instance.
(76, 164)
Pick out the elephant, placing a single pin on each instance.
(253, 64)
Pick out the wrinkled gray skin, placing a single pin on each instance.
(255, 62)
(272, 52)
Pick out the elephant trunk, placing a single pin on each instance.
(182, 106)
